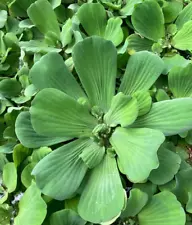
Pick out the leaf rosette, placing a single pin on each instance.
(107, 133)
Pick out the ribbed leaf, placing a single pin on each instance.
(92, 154)
(169, 164)
(123, 111)
(44, 17)
(137, 43)
(171, 10)
(54, 114)
(137, 151)
(136, 201)
(148, 20)
(142, 71)
(93, 18)
(66, 217)
(59, 174)
(144, 101)
(51, 72)
(182, 40)
(164, 209)
(180, 81)
(32, 208)
(184, 16)
(170, 116)
(102, 190)
(96, 69)
(28, 137)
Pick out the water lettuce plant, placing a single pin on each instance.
(110, 132)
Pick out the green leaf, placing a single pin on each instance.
(92, 154)
(188, 139)
(142, 71)
(19, 154)
(144, 101)
(103, 189)
(66, 217)
(37, 46)
(184, 16)
(55, 3)
(163, 209)
(174, 61)
(170, 116)
(5, 214)
(32, 208)
(161, 95)
(59, 174)
(169, 164)
(96, 69)
(51, 72)
(148, 20)
(136, 201)
(128, 9)
(171, 10)
(113, 31)
(28, 137)
(45, 20)
(182, 40)
(3, 18)
(54, 114)
(10, 177)
(66, 34)
(123, 111)
(93, 18)
(26, 177)
(10, 88)
(137, 43)
(39, 154)
(137, 151)
(180, 81)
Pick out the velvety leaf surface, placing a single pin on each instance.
(123, 111)
(137, 151)
(148, 20)
(51, 72)
(142, 71)
(96, 69)
(163, 209)
(59, 174)
(32, 208)
(180, 81)
(169, 164)
(170, 116)
(103, 196)
(54, 114)
(28, 137)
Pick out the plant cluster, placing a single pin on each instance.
(95, 112)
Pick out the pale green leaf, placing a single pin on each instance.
(137, 43)
(170, 116)
(28, 137)
(32, 208)
(182, 40)
(51, 72)
(142, 71)
(184, 16)
(164, 209)
(127, 10)
(3, 18)
(148, 20)
(96, 69)
(180, 81)
(123, 111)
(55, 3)
(103, 189)
(66, 217)
(169, 164)
(26, 177)
(137, 151)
(60, 173)
(144, 101)
(136, 201)
(44, 17)
(92, 154)
(54, 114)
(10, 177)
(19, 154)
(66, 33)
